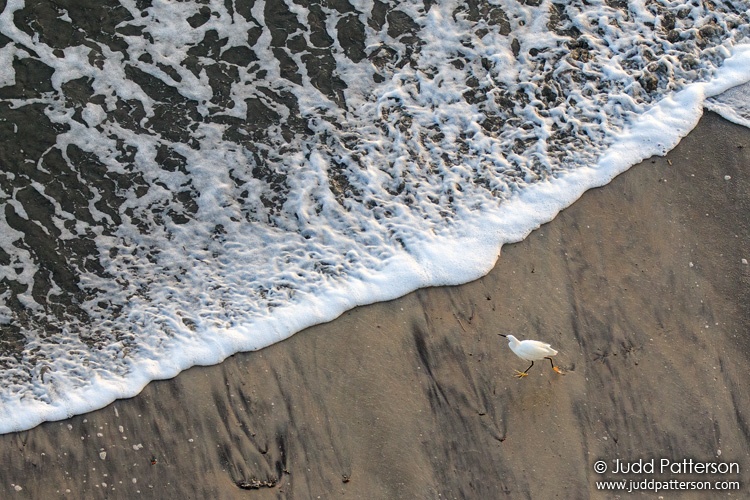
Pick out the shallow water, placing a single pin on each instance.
(734, 104)
(184, 180)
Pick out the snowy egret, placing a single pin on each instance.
(531, 350)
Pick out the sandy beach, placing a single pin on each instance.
(646, 296)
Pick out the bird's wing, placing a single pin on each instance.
(533, 349)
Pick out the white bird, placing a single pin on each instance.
(531, 350)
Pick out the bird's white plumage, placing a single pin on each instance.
(530, 350)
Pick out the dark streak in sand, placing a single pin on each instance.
(426, 407)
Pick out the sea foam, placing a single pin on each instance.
(734, 104)
(207, 178)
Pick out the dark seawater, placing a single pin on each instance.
(183, 180)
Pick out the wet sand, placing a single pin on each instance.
(640, 285)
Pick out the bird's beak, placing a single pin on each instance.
(502, 334)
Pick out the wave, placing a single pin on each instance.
(185, 180)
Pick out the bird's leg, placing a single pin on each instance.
(556, 369)
(524, 373)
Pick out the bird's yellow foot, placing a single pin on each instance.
(520, 374)
(558, 370)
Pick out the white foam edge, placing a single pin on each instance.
(460, 260)
(668, 121)
(727, 112)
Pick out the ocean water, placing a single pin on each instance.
(734, 104)
(183, 180)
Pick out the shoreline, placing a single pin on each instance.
(640, 286)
